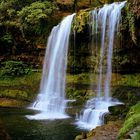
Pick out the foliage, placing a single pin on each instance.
(130, 80)
(9, 8)
(7, 38)
(32, 17)
(133, 110)
(74, 93)
(29, 80)
(131, 21)
(14, 94)
(131, 125)
(19, 91)
(24, 20)
(126, 94)
(80, 20)
(135, 135)
(14, 68)
(128, 22)
(78, 78)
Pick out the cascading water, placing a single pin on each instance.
(107, 20)
(51, 99)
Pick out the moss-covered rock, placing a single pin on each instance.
(106, 132)
(117, 112)
(14, 94)
(19, 91)
(130, 28)
(83, 136)
(80, 21)
(7, 102)
(127, 94)
(131, 126)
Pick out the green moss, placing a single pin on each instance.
(80, 20)
(15, 94)
(78, 78)
(131, 22)
(79, 137)
(134, 110)
(127, 88)
(73, 93)
(131, 80)
(14, 68)
(5, 102)
(128, 22)
(29, 80)
(19, 91)
(132, 122)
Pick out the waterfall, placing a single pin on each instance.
(106, 22)
(51, 100)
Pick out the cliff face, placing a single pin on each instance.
(14, 45)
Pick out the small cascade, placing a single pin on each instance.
(105, 21)
(92, 115)
(51, 100)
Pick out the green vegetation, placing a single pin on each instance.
(131, 80)
(19, 91)
(78, 87)
(131, 125)
(128, 22)
(81, 20)
(78, 78)
(23, 80)
(25, 23)
(34, 17)
(14, 94)
(14, 68)
(135, 135)
(81, 95)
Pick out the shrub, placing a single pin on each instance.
(14, 68)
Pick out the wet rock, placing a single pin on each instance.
(106, 132)
(115, 113)
(127, 94)
(116, 109)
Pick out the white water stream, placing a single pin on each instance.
(51, 100)
(106, 20)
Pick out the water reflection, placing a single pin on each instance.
(20, 128)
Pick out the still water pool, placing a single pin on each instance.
(20, 128)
